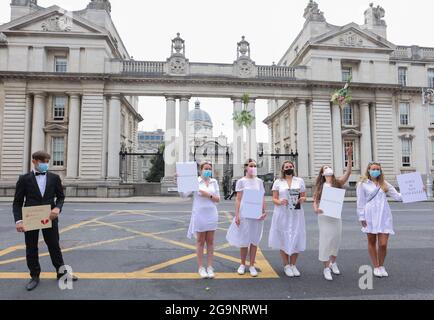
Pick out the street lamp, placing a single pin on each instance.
(427, 100)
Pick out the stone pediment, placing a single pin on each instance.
(53, 19)
(351, 133)
(56, 128)
(352, 36)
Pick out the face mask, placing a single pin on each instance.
(289, 172)
(328, 172)
(375, 173)
(42, 167)
(207, 174)
(252, 171)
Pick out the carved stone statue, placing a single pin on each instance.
(374, 15)
(31, 3)
(100, 5)
(3, 38)
(312, 12)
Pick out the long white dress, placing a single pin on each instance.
(376, 212)
(330, 235)
(204, 216)
(250, 230)
(288, 227)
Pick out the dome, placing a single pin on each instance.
(197, 114)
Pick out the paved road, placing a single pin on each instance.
(140, 251)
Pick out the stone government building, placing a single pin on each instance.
(68, 85)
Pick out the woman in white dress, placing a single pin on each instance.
(288, 228)
(330, 229)
(204, 218)
(246, 233)
(375, 214)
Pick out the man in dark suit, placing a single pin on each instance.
(36, 188)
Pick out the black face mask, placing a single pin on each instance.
(289, 172)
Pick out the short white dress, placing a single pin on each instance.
(250, 230)
(376, 212)
(288, 227)
(330, 235)
(204, 216)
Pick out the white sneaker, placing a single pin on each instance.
(202, 272)
(378, 273)
(335, 269)
(384, 272)
(253, 272)
(288, 271)
(295, 271)
(210, 271)
(328, 274)
(242, 270)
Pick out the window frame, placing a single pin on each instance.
(56, 64)
(345, 107)
(344, 76)
(403, 78)
(431, 78)
(401, 114)
(406, 153)
(55, 162)
(56, 107)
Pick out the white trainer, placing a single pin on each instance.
(384, 272)
(295, 271)
(328, 274)
(335, 269)
(288, 271)
(210, 271)
(202, 272)
(253, 272)
(241, 270)
(378, 273)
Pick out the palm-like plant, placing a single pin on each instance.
(244, 117)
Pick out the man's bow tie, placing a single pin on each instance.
(40, 173)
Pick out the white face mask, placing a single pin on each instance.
(328, 172)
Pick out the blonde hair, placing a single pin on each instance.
(203, 164)
(381, 181)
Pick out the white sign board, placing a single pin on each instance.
(187, 178)
(332, 201)
(251, 204)
(411, 187)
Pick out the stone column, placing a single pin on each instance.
(27, 160)
(114, 137)
(251, 142)
(183, 150)
(38, 123)
(238, 143)
(337, 141)
(365, 139)
(170, 136)
(302, 139)
(73, 136)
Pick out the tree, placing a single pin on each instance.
(156, 172)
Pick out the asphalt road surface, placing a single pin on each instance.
(140, 251)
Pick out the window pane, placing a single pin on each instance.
(431, 78)
(406, 152)
(60, 64)
(347, 115)
(404, 114)
(432, 115)
(346, 74)
(432, 152)
(348, 144)
(59, 108)
(58, 151)
(402, 76)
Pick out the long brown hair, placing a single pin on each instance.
(319, 184)
(282, 172)
(381, 181)
(246, 164)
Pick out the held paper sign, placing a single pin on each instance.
(187, 177)
(332, 201)
(37, 218)
(411, 187)
(251, 204)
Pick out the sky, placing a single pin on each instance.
(212, 29)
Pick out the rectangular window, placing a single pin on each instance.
(348, 144)
(347, 115)
(406, 152)
(404, 113)
(123, 125)
(432, 152)
(431, 78)
(58, 147)
(59, 104)
(347, 73)
(402, 76)
(60, 64)
(431, 108)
